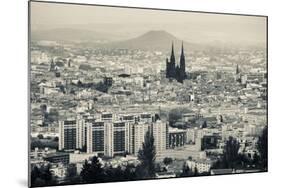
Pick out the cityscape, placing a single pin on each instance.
(120, 107)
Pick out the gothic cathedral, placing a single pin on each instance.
(173, 70)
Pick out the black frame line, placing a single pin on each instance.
(151, 8)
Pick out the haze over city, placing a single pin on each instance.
(113, 23)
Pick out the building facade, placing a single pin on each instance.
(72, 134)
(96, 137)
(177, 138)
(109, 135)
(159, 131)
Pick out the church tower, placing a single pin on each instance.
(172, 58)
(237, 69)
(173, 62)
(182, 73)
(171, 65)
(52, 66)
(237, 74)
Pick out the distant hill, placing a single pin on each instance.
(70, 35)
(156, 40)
(153, 40)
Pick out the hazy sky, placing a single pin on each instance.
(133, 22)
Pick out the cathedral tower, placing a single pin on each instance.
(173, 70)
(182, 73)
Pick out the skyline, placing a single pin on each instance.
(189, 26)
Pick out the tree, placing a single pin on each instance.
(204, 125)
(157, 117)
(102, 87)
(196, 173)
(42, 176)
(62, 88)
(35, 143)
(40, 136)
(35, 173)
(167, 160)
(185, 170)
(79, 83)
(92, 172)
(256, 159)
(244, 160)
(52, 116)
(174, 116)
(230, 153)
(46, 174)
(262, 147)
(118, 174)
(71, 174)
(147, 157)
(109, 174)
(84, 148)
(218, 164)
(71, 171)
(130, 172)
(43, 108)
(158, 167)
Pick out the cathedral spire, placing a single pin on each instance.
(182, 73)
(172, 59)
(182, 58)
(172, 48)
(182, 50)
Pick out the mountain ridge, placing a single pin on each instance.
(69, 35)
(153, 40)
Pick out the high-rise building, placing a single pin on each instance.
(72, 134)
(159, 131)
(95, 137)
(116, 138)
(139, 131)
(108, 141)
(130, 120)
(110, 134)
(119, 138)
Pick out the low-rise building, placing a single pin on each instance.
(201, 165)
